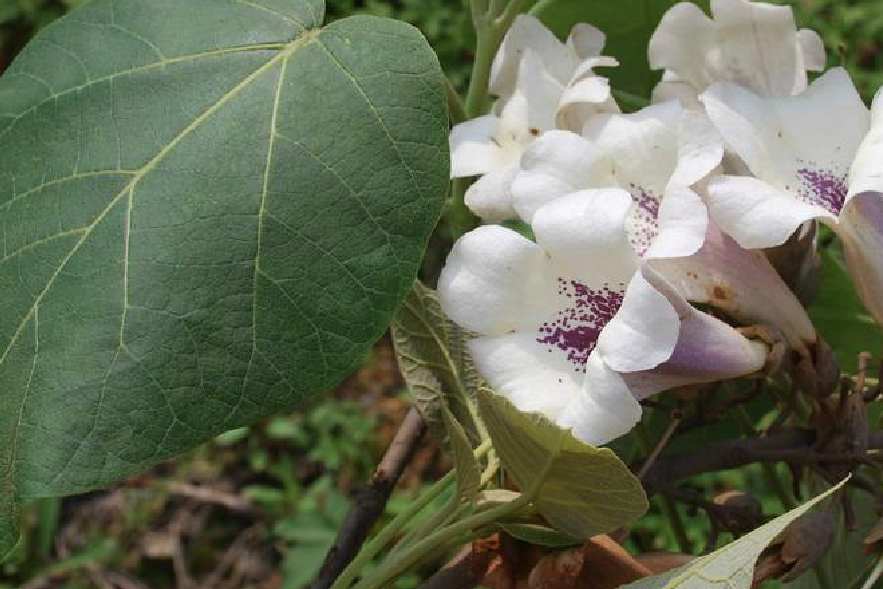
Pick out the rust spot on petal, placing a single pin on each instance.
(721, 293)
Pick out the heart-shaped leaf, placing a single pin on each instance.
(211, 209)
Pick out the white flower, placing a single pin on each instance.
(563, 71)
(813, 156)
(542, 85)
(753, 44)
(574, 325)
(861, 220)
(656, 154)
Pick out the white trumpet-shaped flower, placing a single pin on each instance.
(564, 72)
(542, 84)
(656, 154)
(575, 326)
(753, 44)
(813, 156)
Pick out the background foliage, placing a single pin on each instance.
(279, 489)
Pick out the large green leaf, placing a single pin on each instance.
(586, 491)
(840, 317)
(628, 24)
(210, 209)
(731, 567)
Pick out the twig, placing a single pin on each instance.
(796, 444)
(233, 554)
(212, 496)
(660, 445)
(669, 508)
(370, 501)
(457, 574)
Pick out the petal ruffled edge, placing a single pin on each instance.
(584, 235)
(490, 197)
(556, 164)
(644, 332)
(495, 281)
(756, 214)
(605, 408)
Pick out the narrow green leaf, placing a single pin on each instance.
(465, 463)
(587, 491)
(435, 362)
(733, 565)
(211, 210)
(841, 318)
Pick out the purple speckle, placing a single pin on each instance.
(575, 329)
(823, 187)
(644, 219)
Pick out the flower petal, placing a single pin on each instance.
(700, 149)
(682, 224)
(523, 370)
(605, 409)
(643, 333)
(708, 350)
(740, 283)
(556, 164)
(812, 50)
(866, 173)
(643, 144)
(756, 214)
(750, 128)
(758, 46)
(586, 41)
(789, 142)
(496, 281)
(527, 32)
(863, 228)
(681, 42)
(542, 93)
(475, 149)
(490, 197)
(583, 99)
(672, 88)
(584, 235)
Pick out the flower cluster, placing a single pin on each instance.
(649, 228)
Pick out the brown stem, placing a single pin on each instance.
(457, 574)
(370, 501)
(791, 444)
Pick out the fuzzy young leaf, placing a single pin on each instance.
(211, 210)
(587, 491)
(435, 362)
(733, 565)
(465, 463)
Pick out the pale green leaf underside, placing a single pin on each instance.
(210, 210)
(435, 362)
(587, 491)
(731, 567)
